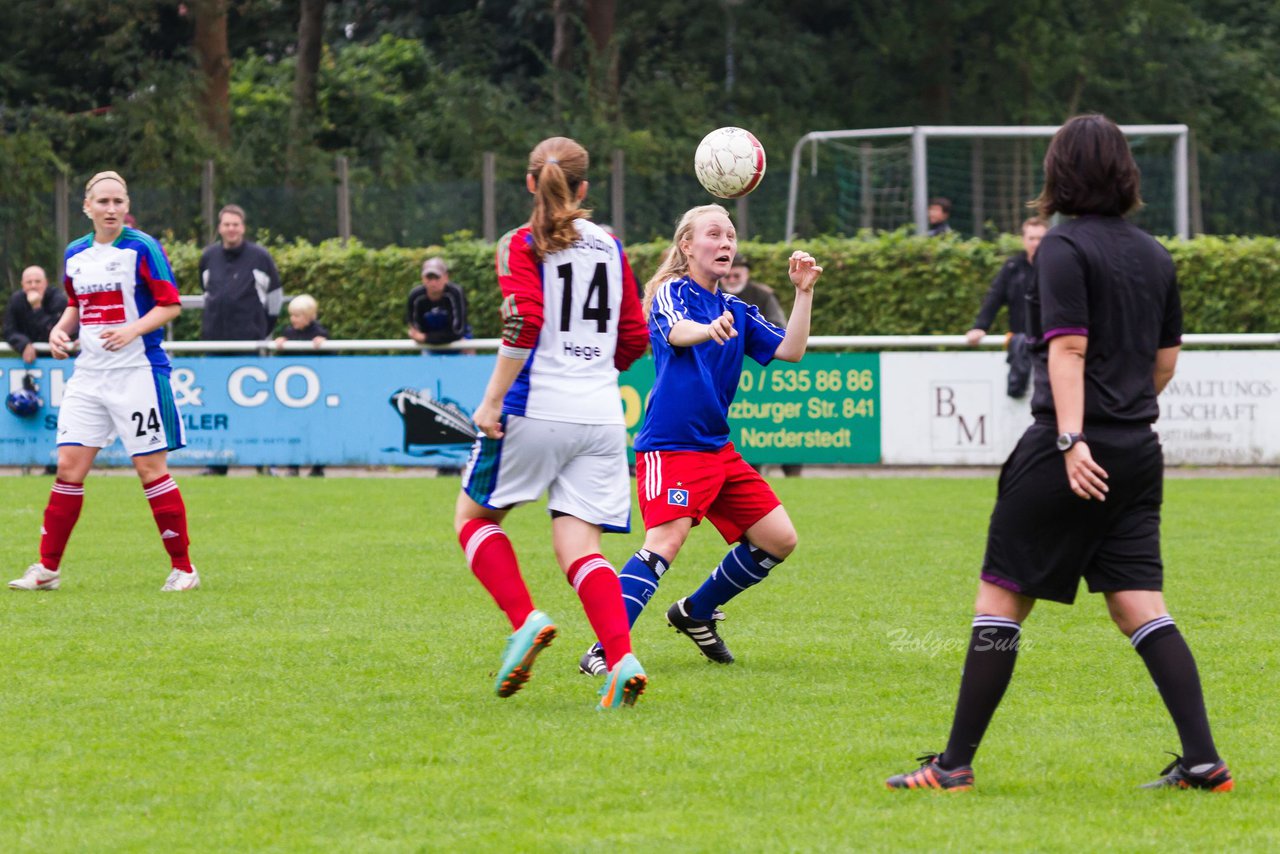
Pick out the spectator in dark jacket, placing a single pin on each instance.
(242, 293)
(939, 216)
(303, 325)
(1015, 279)
(32, 313)
(437, 311)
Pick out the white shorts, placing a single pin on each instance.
(582, 468)
(135, 404)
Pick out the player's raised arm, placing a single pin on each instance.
(804, 272)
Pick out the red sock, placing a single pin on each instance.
(60, 515)
(596, 584)
(171, 519)
(491, 558)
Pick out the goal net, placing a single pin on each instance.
(844, 182)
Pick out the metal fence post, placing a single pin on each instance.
(206, 202)
(1181, 198)
(344, 199)
(864, 185)
(488, 204)
(976, 180)
(919, 180)
(618, 194)
(741, 223)
(61, 220)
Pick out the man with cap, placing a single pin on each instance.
(738, 283)
(437, 311)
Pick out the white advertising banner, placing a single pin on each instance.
(950, 408)
(1222, 408)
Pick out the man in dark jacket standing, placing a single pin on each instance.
(242, 293)
(32, 313)
(1010, 288)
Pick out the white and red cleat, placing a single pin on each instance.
(37, 578)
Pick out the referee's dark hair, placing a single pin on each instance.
(1089, 169)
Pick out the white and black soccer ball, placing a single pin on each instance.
(729, 162)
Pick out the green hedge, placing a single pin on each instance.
(889, 284)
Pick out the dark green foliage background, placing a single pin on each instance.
(890, 284)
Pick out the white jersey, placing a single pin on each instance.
(575, 317)
(112, 284)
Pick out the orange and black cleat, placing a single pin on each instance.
(931, 775)
(1215, 777)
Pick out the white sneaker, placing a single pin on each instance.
(179, 580)
(37, 578)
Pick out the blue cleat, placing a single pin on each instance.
(624, 685)
(522, 648)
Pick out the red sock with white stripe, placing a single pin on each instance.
(596, 583)
(493, 561)
(171, 519)
(60, 515)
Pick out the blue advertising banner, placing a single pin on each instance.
(415, 410)
(280, 410)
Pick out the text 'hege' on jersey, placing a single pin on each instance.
(578, 312)
(114, 284)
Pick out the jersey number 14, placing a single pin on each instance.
(594, 307)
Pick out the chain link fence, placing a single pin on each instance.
(1231, 194)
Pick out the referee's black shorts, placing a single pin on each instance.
(1043, 538)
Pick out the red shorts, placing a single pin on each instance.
(718, 485)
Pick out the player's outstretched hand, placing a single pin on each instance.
(804, 271)
(1088, 480)
(721, 329)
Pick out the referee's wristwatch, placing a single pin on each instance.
(1067, 441)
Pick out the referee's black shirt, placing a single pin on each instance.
(1104, 278)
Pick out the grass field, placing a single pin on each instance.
(330, 686)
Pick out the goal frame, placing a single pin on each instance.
(920, 135)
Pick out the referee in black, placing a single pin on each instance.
(1080, 495)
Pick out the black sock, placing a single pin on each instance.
(1173, 669)
(988, 666)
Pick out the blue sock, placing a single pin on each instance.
(639, 579)
(744, 566)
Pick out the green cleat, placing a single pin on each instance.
(624, 685)
(522, 648)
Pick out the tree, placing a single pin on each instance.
(214, 58)
(310, 47)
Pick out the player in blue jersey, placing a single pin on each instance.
(121, 293)
(686, 467)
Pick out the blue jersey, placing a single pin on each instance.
(689, 405)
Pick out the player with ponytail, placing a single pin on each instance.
(551, 419)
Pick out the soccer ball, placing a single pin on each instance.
(729, 162)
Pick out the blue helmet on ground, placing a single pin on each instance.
(25, 402)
